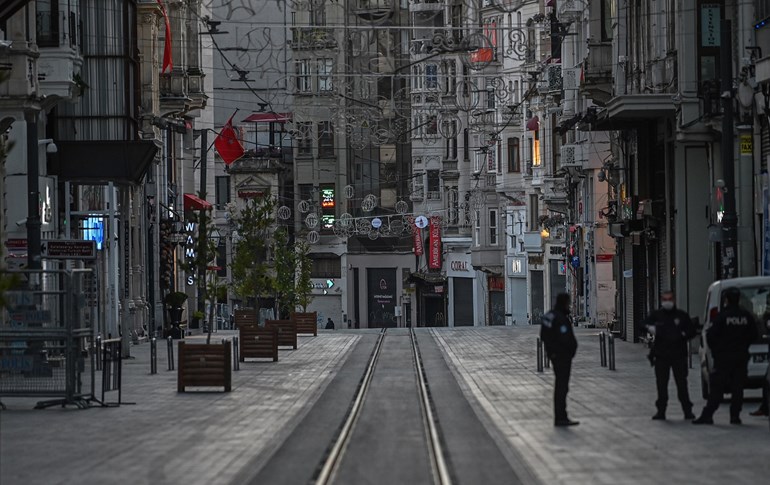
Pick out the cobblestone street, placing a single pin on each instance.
(616, 441)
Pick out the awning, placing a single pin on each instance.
(99, 162)
(269, 118)
(195, 203)
(533, 124)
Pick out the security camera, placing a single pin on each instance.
(21, 222)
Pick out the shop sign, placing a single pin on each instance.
(435, 243)
(496, 283)
(518, 267)
(459, 265)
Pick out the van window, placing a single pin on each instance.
(757, 301)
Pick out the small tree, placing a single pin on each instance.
(304, 265)
(284, 266)
(250, 271)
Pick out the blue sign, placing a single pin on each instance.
(575, 261)
(93, 230)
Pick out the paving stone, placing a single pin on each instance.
(168, 437)
(616, 441)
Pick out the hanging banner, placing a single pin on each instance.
(435, 243)
(417, 239)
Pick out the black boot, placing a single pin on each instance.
(660, 415)
(688, 415)
(703, 420)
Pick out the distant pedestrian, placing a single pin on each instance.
(729, 338)
(560, 347)
(672, 329)
(329, 324)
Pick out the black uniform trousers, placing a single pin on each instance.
(562, 367)
(664, 366)
(729, 374)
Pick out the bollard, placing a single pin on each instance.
(153, 356)
(236, 355)
(98, 352)
(611, 345)
(603, 349)
(539, 355)
(170, 352)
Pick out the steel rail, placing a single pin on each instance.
(440, 469)
(331, 464)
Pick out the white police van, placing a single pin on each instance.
(755, 297)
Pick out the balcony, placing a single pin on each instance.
(312, 38)
(258, 161)
(426, 5)
(60, 57)
(597, 76)
(449, 170)
(555, 192)
(373, 10)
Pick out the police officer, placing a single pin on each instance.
(560, 347)
(672, 329)
(729, 338)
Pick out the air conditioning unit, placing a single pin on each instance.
(571, 7)
(573, 155)
(571, 78)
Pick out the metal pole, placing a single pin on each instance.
(203, 235)
(170, 352)
(603, 349)
(539, 355)
(612, 352)
(729, 218)
(33, 194)
(153, 355)
(236, 354)
(98, 352)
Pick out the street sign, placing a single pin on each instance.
(68, 249)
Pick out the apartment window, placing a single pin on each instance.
(514, 163)
(608, 15)
(303, 75)
(306, 192)
(305, 139)
(222, 258)
(317, 14)
(431, 76)
(325, 268)
(325, 139)
(325, 67)
(431, 126)
(534, 212)
(47, 21)
(457, 22)
(476, 228)
(222, 191)
(493, 227)
(418, 185)
(534, 149)
(434, 185)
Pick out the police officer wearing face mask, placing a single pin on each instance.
(560, 346)
(672, 329)
(729, 338)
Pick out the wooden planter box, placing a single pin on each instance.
(205, 365)
(245, 317)
(287, 331)
(306, 322)
(257, 342)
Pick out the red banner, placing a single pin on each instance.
(435, 243)
(417, 239)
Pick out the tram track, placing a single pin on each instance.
(330, 471)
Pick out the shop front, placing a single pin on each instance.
(461, 276)
(496, 286)
(517, 290)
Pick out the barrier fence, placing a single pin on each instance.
(46, 336)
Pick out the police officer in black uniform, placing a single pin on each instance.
(729, 338)
(672, 329)
(560, 346)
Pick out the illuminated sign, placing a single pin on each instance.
(327, 198)
(93, 230)
(327, 221)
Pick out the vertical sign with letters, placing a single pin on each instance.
(418, 245)
(434, 262)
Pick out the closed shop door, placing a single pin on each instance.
(462, 302)
(538, 298)
(518, 300)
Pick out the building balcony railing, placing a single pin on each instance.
(426, 5)
(312, 38)
(597, 74)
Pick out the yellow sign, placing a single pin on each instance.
(747, 145)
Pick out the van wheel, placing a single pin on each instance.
(704, 388)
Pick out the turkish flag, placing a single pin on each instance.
(168, 63)
(227, 144)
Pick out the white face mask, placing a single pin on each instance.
(667, 305)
